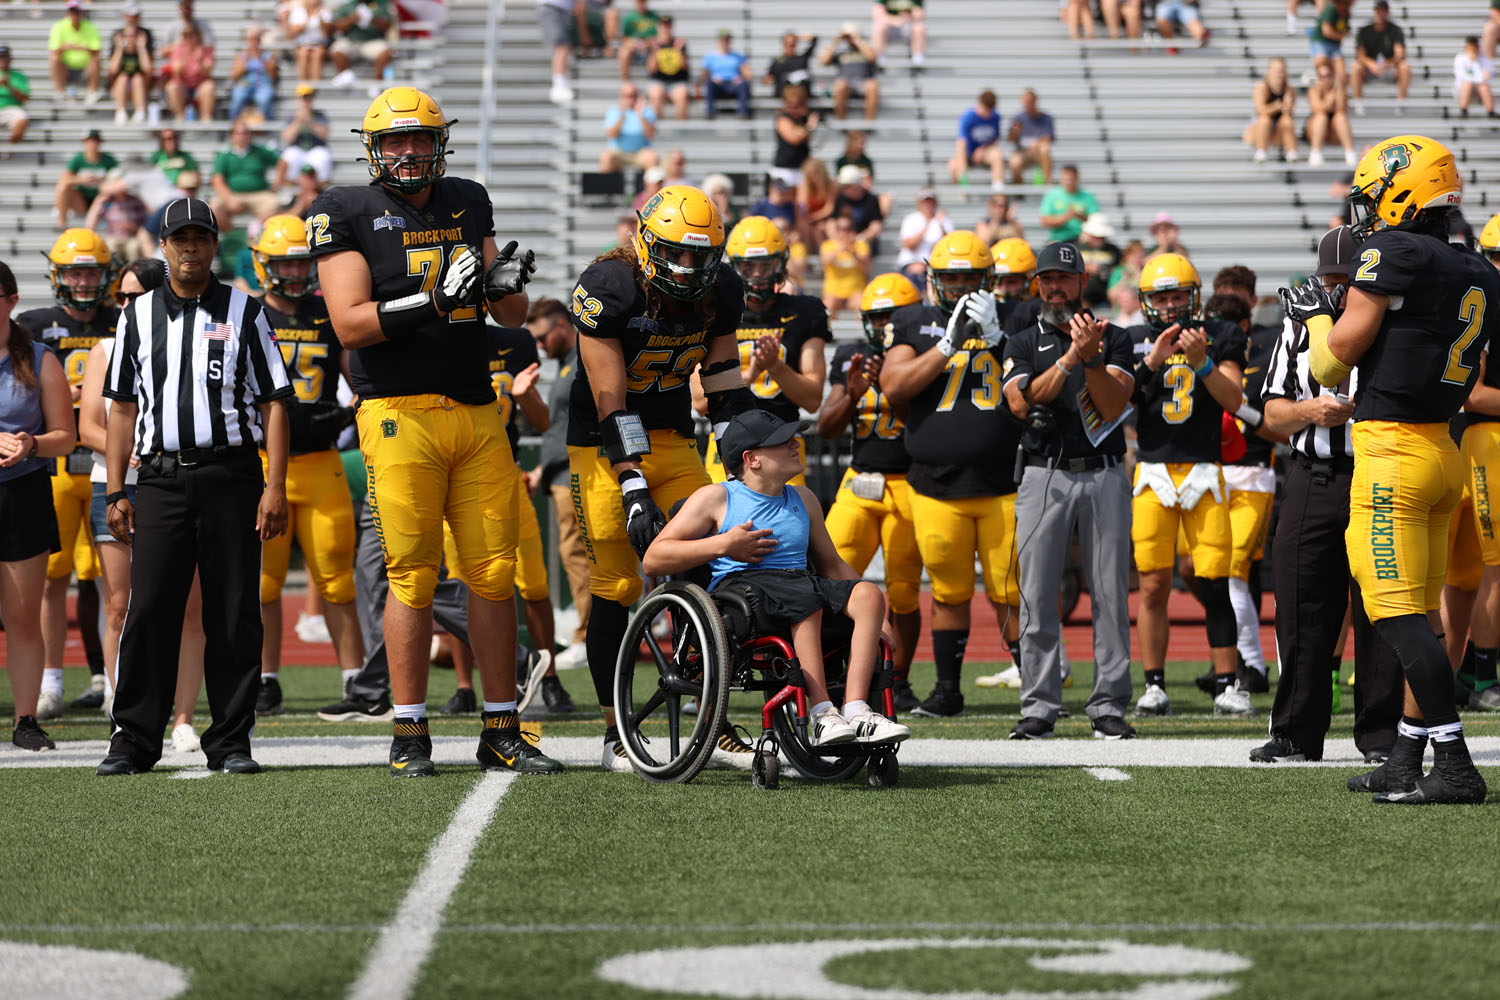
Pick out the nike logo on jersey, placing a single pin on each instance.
(788, 319)
(459, 212)
(503, 351)
(320, 322)
(1045, 347)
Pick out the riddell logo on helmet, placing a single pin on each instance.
(749, 251)
(405, 122)
(84, 258)
(702, 238)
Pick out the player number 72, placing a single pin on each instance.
(428, 262)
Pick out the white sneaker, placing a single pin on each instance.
(576, 655)
(1350, 158)
(120, 117)
(345, 80)
(560, 95)
(1291, 156)
(1008, 678)
(1260, 156)
(92, 97)
(872, 727)
(1315, 158)
(138, 116)
(184, 740)
(829, 728)
(1291, 24)
(732, 753)
(1154, 702)
(313, 628)
(1359, 108)
(614, 757)
(1233, 701)
(49, 706)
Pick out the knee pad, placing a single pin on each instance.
(607, 621)
(270, 588)
(903, 597)
(493, 579)
(413, 585)
(1218, 612)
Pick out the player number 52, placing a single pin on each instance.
(586, 307)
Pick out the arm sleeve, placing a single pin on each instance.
(266, 371)
(122, 383)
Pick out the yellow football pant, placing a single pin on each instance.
(1465, 565)
(859, 526)
(1249, 513)
(72, 496)
(950, 532)
(321, 517)
(1481, 451)
(1153, 530)
(531, 565)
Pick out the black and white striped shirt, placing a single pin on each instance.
(1287, 377)
(197, 368)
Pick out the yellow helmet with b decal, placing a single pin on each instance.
(281, 259)
(1015, 266)
(1400, 178)
(882, 297)
(679, 242)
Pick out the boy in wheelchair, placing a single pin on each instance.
(762, 534)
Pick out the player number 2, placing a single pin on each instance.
(1471, 314)
(428, 262)
(1179, 378)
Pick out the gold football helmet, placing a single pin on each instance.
(757, 250)
(1489, 238)
(679, 241)
(401, 110)
(1399, 178)
(1015, 266)
(882, 297)
(960, 263)
(81, 269)
(281, 259)
(1164, 275)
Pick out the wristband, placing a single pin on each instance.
(400, 317)
(625, 438)
(110, 499)
(1063, 368)
(1206, 370)
(1250, 415)
(632, 479)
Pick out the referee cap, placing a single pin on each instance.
(1336, 252)
(185, 212)
(754, 429)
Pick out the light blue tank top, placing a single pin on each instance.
(21, 410)
(784, 514)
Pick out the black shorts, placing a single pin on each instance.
(780, 598)
(28, 522)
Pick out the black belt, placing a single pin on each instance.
(189, 457)
(1088, 463)
(1339, 465)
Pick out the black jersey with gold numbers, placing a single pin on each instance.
(795, 319)
(1258, 348)
(312, 353)
(960, 434)
(878, 427)
(511, 351)
(70, 339)
(408, 249)
(661, 351)
(1444, 309)
(1178, 419)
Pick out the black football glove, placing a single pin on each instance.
(1307, 300)
(460, 281)
(330, 419)
(508, 272)
(643, 519)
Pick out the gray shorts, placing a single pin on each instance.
(557, 25)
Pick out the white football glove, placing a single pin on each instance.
(981, 309)
(1154, 475)
(459, 281)
(954, 338)
(1204, 477)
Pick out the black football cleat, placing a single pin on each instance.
(268, 702)
(1279, 749)
(943, 703)
(503, 747)
(463, 702)
(1399, 773)
(1450, 785)
(238, 763)
(411, 750)
(903, 696)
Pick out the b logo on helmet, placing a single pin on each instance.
(1396, 158)
(650, 206)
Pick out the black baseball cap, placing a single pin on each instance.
(1336, 252)
(4, 51)
(1061, 256)
(184, 212)
(753, 429)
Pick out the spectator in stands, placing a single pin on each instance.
(999, 222)
(637, 32)
(1326, 38)
(1124, 282)
(920, 231)
(899, 19)
(1275, 112)
(1328, 111)
(792, 66)
(556, 20)
(15, 91)
(846, 266)
(1031, 133)
(815, 197)
(855, 60)
(239, 178)
(653, 179)
(854, 154)
(1491, 33)
(1100, 256)
(795, 123)
(118, 215)
(674, 164)
(1078, 17)
(1471, 78)
(1165, 232)
(1116, 11)
(861, 205)
(720, 190)
(598, 27)
(302, 24)
(78, 185)
(186, 17)
(629, 127)
(190, 84)
(253, 76)
(1065, 207)
(359, 29)
(304, 141)
(308, 189)
(978, 142)
(131, 69)
(1380, 53)
(1178, 17)
(73, 54)
(780, 206)
(726, 73)
(187, 184)
(170, 156)
(667, 65)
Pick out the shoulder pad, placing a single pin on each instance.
(604, 297)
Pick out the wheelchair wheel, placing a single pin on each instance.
(697, 667)
(885, 771)
(804, 759)
(765, 771)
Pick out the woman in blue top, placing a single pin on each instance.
(36, 424)
(254, 76)
(763, 534)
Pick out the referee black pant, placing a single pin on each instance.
(200, 517)
(1312, 592)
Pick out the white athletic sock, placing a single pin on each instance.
(347, 675)
(273, 675)
(52, 681)
(559, 81)
(417, 711)
(500, 706)
(855, 708)
(1247, 620)
(820, 708)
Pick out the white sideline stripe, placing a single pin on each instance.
(369, 750)
(1107, 773)
(190, 773)
(407, 940)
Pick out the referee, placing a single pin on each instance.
(197, 383)
(1310, 556)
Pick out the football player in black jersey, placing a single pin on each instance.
(873, 507)
(1418, 315)
(1188, 376)
(406, 263)
(83, 279)
(319, 513)
(780, 336)
(649, 314)
(1015, 269)
(943, 362)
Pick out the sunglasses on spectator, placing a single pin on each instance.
(125, 298)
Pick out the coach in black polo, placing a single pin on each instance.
(197, 383)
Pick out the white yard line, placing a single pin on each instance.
(406, 941)
(190, 773)
(1107, 773)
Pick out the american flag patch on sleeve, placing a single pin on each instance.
(217, 331)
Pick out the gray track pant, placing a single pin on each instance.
(1049, 505)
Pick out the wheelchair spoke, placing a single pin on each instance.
(674, 724)
(658, 697)
(662, 664)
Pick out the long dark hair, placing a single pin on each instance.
(704, 308)
(18, 338)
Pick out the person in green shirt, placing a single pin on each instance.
(637, 29)
(171, 157)
(15, 91)
(73, 53)
(358, 29)
(79, 184)
(239, 179)
(1065, 207)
